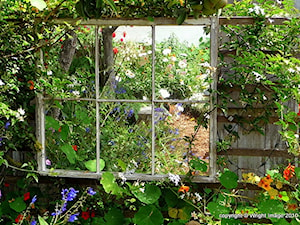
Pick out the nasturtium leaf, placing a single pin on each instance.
(42, 221)
(198, 165)
(18, 204)
(109, 184)
(91, 165)
(229, 179)
(40, 4)
(281, 222)
(114, 216)
(148, 215)
(150, 194)
(284, 196)
(51, 123)
(216, 209)
(70, 153)
(170, 198)
(173, 213)
(271, 206)
(297, 172)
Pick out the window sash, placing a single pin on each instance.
(40, 110)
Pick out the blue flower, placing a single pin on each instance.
(158, 109)
(172, 146)
(7, 124)
(90, 191)
(73, 217)
(33, 200)
(33, 222)
(69, 195)
(87, 129)
(130, 113)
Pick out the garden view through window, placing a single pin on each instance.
(130, 99)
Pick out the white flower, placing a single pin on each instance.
(21, 111)
(296, 135)
(142, 190)
(166, 51)
(122, 177)
(165, 60)
(149, 52)
(174, 178)
(257, 10)
(258, 76)
(1, 82)
(118, 79)
(173, 58)
(49, 72)
(197, 195)
(142, 54)
(183, 54)
(129, 74)
(265, 98)
(164, 93)
(179, 107)
(182, 64)
(206, 64)
(291, 70)
(194, 215)
(270, 20)
(77, 93)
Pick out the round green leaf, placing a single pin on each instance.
(109, 184)
(91, 165)
(271, 206)
(149, 195)
(40, 4)
(18, 204)
(215, 209)
(148, 215)
(114, 216)
(229, 179)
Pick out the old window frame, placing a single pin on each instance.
(213, 22)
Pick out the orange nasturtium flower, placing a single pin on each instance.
(292, 207)
(184, 189)
(289, 172)
(265, 182)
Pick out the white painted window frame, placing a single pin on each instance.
(213, 22)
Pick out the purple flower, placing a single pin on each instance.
(90, 191)
(33, 222)
(48, 162)
(0, 194)
(130, 113)
(73, 217)
(33, 200)
(87, 129)
(159, 110)
(7, 124)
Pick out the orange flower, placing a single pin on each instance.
(184, 189)
(292, 207)
(289, 172)
(31, 84)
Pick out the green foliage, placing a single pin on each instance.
(229, 179)
(149, 215)
(149, 194)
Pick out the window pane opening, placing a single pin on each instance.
(137, 113)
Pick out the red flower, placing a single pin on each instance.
(59, 129)
(289, 172)
(121, 39)
(115, 50)
(93, 214)
(299, 110)
(6, 184)
(20, 217)
(113, 35)
(124, 34)
(75, 148)
(26, 196)
(85, 215)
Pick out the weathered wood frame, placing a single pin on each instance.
(213, 22)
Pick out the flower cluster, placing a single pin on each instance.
(289, 172)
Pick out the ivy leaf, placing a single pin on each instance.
(91, 165)
(42, 220)
(229, 179)
(216, 209)
(150, 194)
(18, 204)
(109, 184)
(40, 4)
(149, 215)
(114, 216)
(70, 153)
